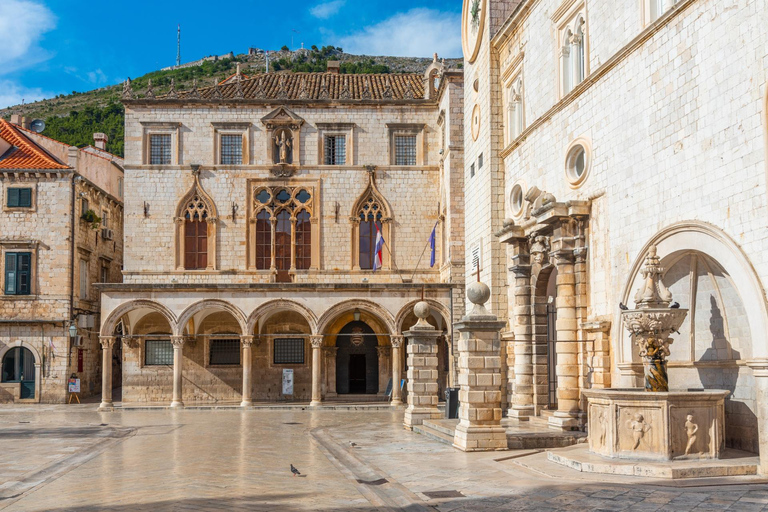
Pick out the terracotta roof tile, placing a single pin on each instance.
(27, 154)
(314, 86)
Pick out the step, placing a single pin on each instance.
(357, 398)
(447, 427)
(434, 434)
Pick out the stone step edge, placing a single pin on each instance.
(435, 435)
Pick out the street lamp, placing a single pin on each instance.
(72, 330)
(356, 315)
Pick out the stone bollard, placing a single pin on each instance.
(422, 370)
(479, 427)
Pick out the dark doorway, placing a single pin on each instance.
(357, 360)
(19, 366)
(357, 373)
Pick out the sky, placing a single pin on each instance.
(50, 47)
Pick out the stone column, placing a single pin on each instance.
(178, 343)
(760, 373)
(397, 369)
(522, 406)
(317, 373)
(330, 371)
(479, 427)
(568, 414)
(107, 342)
(247, 342)
(422, 370)
(383, 352)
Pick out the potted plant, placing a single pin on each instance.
(91, 218)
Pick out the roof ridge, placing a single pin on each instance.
(30, 155)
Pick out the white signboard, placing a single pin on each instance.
(287, 381)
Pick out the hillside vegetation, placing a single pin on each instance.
(74, 118)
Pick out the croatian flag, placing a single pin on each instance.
(432, 246)
(379, 247)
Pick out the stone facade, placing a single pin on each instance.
(62, 246)
(284, 122)
(657, 136)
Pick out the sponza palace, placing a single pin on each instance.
(252, 215)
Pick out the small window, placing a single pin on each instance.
(84, 206)
(335, 150)
(472, 171)
(83, 279)
(160, 149)
(19, 198)
(289, 351)
(104, 219)
(18, 273)
(577, 165)
(225, 352)
(158, 353)
(480, 161)
(405, 149)
(231, 149)
(120, 185)
(104, 274)
(516, 200)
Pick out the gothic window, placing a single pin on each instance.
(282, 230)
(370, 224)
(578, 51)
(572, 37)
(515, 108)
(371, 215)
(196, 233)
(565, 62)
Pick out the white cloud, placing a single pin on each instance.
(12, 94)
(22, 25)
(327, 9)
(97, 77)
(417, 33)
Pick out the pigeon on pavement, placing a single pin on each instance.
(295, 471)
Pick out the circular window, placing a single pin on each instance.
(516, 200)
(476, 122)
(577, 164)
(303, 196)
(283, 196)
(263, 197)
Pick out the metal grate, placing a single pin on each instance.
(160, 149)
(335, 150)
(289, 351)
(405, 150)
(158, 353)
(231, 149)
(225, 352)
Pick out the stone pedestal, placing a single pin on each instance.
(422, 370)
(639, 425)
(479, 427)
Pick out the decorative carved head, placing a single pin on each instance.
(540, 250)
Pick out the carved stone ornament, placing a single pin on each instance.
(303, 94)
(239, 90)
(540, 250)
(216, 92)
(194, 93)
(345, 94)
(150, 93)
(283, 171)
(357, 337)
(172, 94)
(387, 94)
(367, 90)
(324, 94)
(127, 90)
(408, 94)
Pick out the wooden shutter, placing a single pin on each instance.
(196, 245)
(13, 198)
(25, 197)
(10, 273)
(24, 273)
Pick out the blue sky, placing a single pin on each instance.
(48, 47)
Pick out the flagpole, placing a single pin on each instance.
(422, 252)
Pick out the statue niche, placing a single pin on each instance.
(283, 129)
(283, 147)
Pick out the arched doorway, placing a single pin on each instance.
(545, 339)
(19, 366)
(357, 360)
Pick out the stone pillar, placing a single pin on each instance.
(479, 427)
(397, 369)
(760, 373)
(107, 342)
(247, 342)
(599, 353)
(522, 406)
(422, 370)
(330, 371)
(317, 374)
(178, 343)
(507, 354)
(383, 352)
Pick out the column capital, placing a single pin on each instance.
(247, 341)
(759, 366)
(178, 341)
(397, 341)
(107, 341)
(317, 340)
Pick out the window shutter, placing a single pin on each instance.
(13, 198)
(25, 197)
(24, 264)
(10, 273)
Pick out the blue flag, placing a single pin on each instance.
(432, 246)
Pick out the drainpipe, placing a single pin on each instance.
(73, 156)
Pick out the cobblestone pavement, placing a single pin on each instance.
(55, 458)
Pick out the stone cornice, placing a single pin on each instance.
(267, 287)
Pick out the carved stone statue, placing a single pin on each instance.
(639, 427)
(284, 144)
(690, 428)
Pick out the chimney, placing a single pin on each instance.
(16, 119)
(334, 66)
(100, 140)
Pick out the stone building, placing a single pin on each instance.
(594, 130)
(252, 214)
(61, 231)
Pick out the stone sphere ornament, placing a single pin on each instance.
(478, 293)
(422, 311)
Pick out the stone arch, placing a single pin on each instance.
(196, 203)
(108, 326)
(214, 305)
(268, 308)
(408, 308)
(331, 314)
(28, 346)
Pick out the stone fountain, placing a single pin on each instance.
(655, 424)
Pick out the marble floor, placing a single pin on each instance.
(57, 458)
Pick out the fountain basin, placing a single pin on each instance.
(635, 424)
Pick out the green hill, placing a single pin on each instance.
(73, 118)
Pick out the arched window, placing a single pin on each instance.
(371, 211)
(370, 222)
(196, 218)
(565, 63)
(19, 366)
(578, 53)
(515, 118)
(282, 230)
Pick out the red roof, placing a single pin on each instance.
(24, 154)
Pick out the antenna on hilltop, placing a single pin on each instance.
(178, 45)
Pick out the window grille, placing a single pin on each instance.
(160, 149)
(18, 273)
(158, 353)
(225, 352)
(405, 150)
(335, 150)
(289, 351)
(231, 149)
(19, 198)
